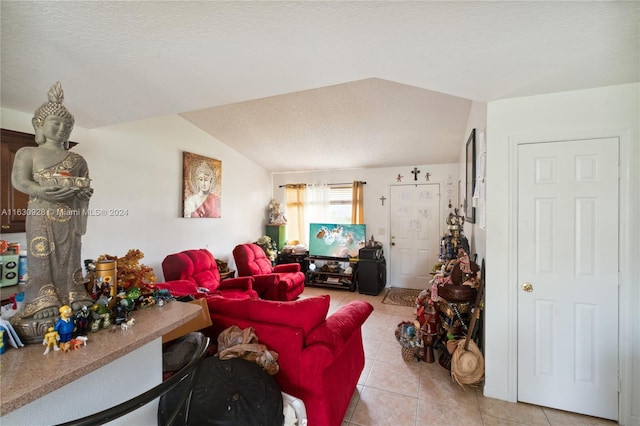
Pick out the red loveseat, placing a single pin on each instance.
(195, 272)
(321, 358)
(280, 282)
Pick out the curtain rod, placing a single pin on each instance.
(344, 183)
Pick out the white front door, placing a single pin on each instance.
(415, 241)
(568, 275)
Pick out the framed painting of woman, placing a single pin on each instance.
(202, 183)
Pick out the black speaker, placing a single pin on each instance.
(370, 253)
(372, 276)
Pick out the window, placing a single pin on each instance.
(340, 202)
(316, 204)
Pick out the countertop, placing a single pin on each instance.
(26, 374)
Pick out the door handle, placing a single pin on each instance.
(527, 287)
(393, 242)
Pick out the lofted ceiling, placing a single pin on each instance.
(358, 84)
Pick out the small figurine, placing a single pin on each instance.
(430, 331)
(82, 322)
(78, 342)
(275, 214)
(161, 296)
(122, 313)
(66, 324)
(147, 301)
(129, 323)
(100, 314)
(51, 340)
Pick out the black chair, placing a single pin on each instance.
(188, 372)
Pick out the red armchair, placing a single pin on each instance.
(321, 358)
(281, 282)
(194, 272)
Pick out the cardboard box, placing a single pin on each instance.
(196, 324)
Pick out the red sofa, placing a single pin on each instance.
(195, 272)
(251, 261)
(321, 358)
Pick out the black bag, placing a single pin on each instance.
(233, 392)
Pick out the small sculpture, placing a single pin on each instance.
(78, 342)
(82, 322)
(276, 217)
(50, 340)
(455, 239)
(100, 315)
(65, 326)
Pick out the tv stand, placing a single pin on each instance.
(336, 272)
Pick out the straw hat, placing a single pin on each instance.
(467, 367)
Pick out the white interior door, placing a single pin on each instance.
(415, 240)
(568, 276)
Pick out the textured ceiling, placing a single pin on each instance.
(365, 80)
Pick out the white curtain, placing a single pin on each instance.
(317, 206)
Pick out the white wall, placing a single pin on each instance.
(478, 121)
(137, 167)
(602, 112)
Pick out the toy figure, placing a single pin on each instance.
(100, 313)
(430, 331)
(51, 340)
(122, 314)
(66, 324)
(82, 322)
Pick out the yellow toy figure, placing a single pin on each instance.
(51, 339)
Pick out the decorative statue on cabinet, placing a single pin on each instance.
(455, 239)
(276, 217)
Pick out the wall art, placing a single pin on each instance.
(469, 210)
(202, 186)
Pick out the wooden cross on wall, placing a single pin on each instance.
(415, 172)
(382, 199)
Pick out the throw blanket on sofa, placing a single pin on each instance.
(235, 342)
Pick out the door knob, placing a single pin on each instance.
(527, 287)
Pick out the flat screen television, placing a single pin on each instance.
(336, 240)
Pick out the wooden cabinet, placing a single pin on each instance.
(13, 203)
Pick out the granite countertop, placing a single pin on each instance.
(26, 374)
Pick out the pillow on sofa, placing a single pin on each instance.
(304, 313)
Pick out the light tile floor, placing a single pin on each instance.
(398, 393)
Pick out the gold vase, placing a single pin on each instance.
(106, 274)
